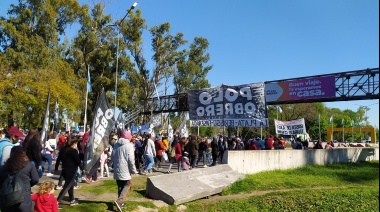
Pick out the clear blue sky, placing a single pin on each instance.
(264, 40)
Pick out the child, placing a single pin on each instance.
(45, 200)
(185, 163)
(104, 163)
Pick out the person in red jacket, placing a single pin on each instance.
(269, 142)
(45, 200)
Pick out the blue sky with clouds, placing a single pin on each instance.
(256, 41)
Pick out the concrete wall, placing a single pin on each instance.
(253, 161)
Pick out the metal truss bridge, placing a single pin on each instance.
(352, 85)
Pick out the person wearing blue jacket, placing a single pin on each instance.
(11, 136)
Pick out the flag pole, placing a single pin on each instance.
(343, 129)
(277, 112)
(319, 126)
(332, 128)
(352, 132)
(85, 110)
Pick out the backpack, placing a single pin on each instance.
(12, 191)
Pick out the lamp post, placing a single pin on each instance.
(366, 108)
(117, 49)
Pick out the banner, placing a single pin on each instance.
(311, 88)
(182, 130)
(293, 127)
(56, 115)
(120, 122)
(134, 129)
(45, 123)
(102, 125)
(156, 120)
(225, 105)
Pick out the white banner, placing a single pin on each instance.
(293, 127)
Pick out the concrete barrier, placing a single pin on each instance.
(181, 187)
(254, 161)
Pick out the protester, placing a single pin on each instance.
(70, 163)
(222, 147)
(160, 149)
(193, 151)
(185, 163)
(7, 142)
(202, 148)
(279, 144)
(214, 150)
(149, 153)
(269, 142)
(297, 144)
(139, 153)
(45, 200)
(328, 145)
(123, 157)
(257, 143)
(103, 163)
(318, 145)
(47, 153)
(33, 149)
(19, 164)
(178, 153)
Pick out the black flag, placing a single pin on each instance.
(120, 122)
(102, 125)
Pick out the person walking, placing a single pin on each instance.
(178, 153)
(33, 149)
(202, 147)
(214, 150)
(123, 156)
(19, 164)
(47, 153)
(193, 151)
(70, 163)
(149, 153)
(160, 148)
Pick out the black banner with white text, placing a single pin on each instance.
(101, 128)
(242, 105)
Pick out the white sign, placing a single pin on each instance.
(293, 127)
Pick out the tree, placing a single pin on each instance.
(30, 48)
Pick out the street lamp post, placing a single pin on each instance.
(366, 108)
(117, 50)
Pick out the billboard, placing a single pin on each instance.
(311, 88)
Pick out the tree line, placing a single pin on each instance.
(38, 57)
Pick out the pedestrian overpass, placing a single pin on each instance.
(352, 85)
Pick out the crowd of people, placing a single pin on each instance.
(124, 155)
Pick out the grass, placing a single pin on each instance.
(347, 199)
(107, 186)
(338, 174)
(334, 187)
